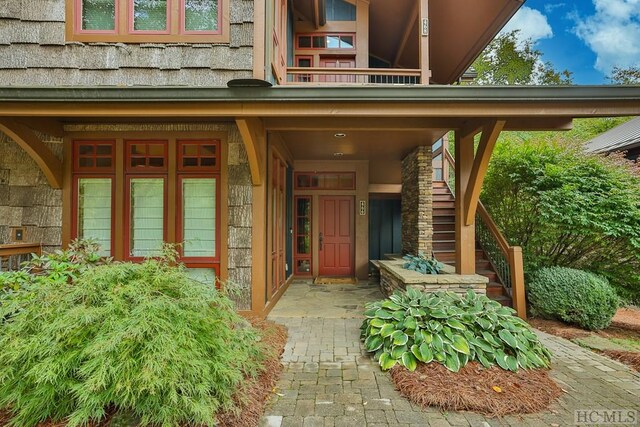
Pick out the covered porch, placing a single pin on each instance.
(291, 136)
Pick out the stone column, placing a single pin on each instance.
(417, 202)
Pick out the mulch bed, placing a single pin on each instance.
(629, 358)
(251, 399)
(472, 388)
(256, 391)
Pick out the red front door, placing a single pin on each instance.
(336, 235)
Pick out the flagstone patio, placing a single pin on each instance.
(329, 380)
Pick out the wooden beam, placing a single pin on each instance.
(316, 13)
(48, 163)
(465, 234)
(253, 135)
(44, 125)
(490, 133)
(411, 20)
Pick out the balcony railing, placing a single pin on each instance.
(13, 255)
(320, 76)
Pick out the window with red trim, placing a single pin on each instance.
(326, 41)
(93, 187)
(146, 199)
(171, 19)
(146, 156)
(325, 180)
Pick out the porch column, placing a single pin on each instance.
(465, 234)
(417, 202)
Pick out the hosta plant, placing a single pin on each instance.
(412, 327)
(422, 264)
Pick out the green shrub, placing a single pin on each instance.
(450, 329)
(142, 339)
(573, 296)
(422, 264)
(566, 207)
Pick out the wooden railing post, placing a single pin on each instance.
(517, 281)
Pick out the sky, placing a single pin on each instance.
(586, 37)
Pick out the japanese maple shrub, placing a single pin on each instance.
(142, 339)
(450, 329)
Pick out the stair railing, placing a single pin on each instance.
(506, 259)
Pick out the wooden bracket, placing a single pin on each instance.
(253, 135)
(50, 165)
(490, 133)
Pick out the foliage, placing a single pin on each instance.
(568, 208)
(450, 329)
(422, 264)
(142, 339)
(507, 61)
(573, 296)
(625, 76)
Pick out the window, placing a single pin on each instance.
(170, 194)
(326, 41)
(340, 10)
(303, 235)
(325, 181)
(93, 178)
(149, 20)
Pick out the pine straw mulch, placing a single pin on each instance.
(471, 389)
(257, 391)
(629, 358)
(250, 399)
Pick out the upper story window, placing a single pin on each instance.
(326, 41)
(137, 21)
(340, 10)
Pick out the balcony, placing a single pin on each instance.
(337, 76)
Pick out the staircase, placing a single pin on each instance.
(444, 242)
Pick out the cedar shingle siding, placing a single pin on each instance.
(33, 52)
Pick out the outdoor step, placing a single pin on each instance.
(450, 255)
(444, 226)
(443, 211)
(483, 264)
(504, 300)
(443, 198)
(441, 191)
(439, 184)
(448, 204)
(444, 234)
(444, 244)
(489, 274)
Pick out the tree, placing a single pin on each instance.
(625, 76)
(566, 207)
(508, 61)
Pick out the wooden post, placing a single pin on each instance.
(465, 234)
(423, 33)
(517, 281)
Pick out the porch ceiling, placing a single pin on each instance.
(357, 144)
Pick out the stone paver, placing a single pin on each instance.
(329, 380)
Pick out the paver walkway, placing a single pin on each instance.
(329, 380)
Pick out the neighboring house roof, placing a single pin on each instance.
(620, 138)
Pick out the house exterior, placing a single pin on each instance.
(623, 138)
(135, 122)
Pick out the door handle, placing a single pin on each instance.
(321, 239)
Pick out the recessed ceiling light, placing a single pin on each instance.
(338, 154)
(340, 135)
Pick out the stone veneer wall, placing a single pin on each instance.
(393, 277)
(26, 199)
(417, 202)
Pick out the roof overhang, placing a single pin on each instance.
(528, 104)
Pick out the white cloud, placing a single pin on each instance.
(531, 23)
(612, 33)
(550, 7)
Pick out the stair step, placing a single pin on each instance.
(447, 204)
(450, 255)
(443, 197)
(489, 274)
(444, 211)
(444, 226)
(444, 234)
(444, 244)
(504, 300)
